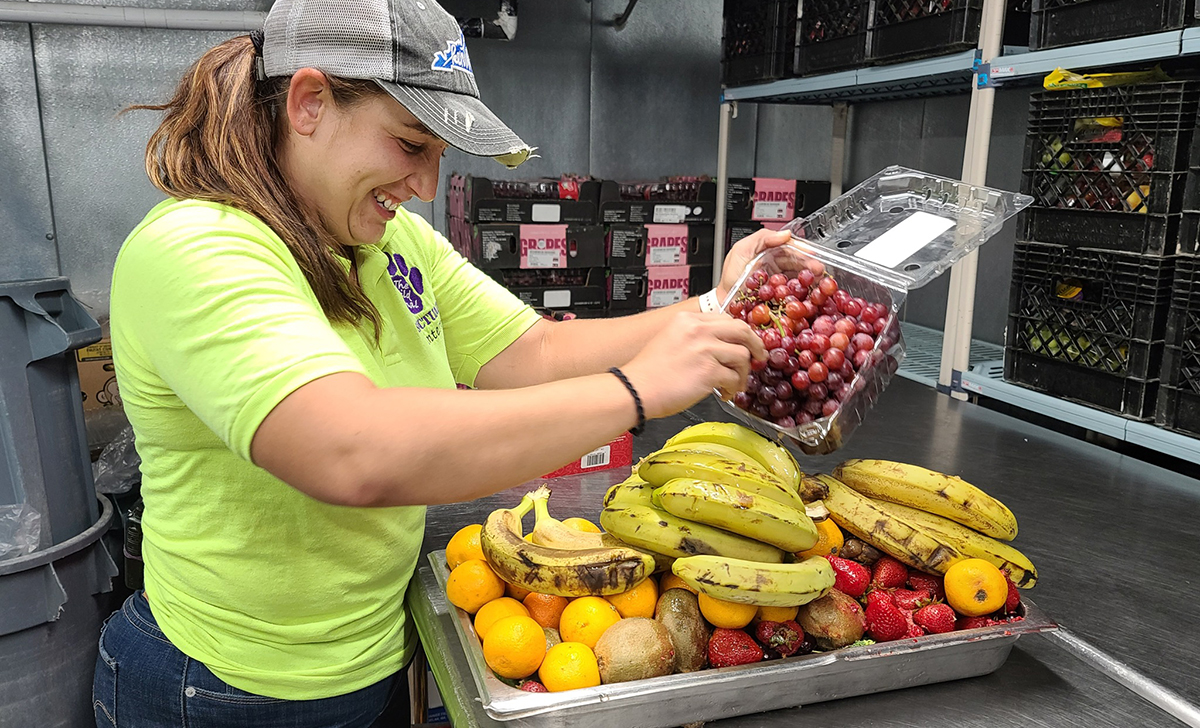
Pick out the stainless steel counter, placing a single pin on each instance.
(1116, 542)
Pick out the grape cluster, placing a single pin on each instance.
(818, 337)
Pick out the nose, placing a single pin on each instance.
(424, 179)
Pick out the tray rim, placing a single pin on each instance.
(500, 703)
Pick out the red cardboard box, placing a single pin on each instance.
(616, 454)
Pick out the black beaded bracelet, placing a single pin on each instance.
(637, 400)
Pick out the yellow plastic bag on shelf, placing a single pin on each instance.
(1062, 79)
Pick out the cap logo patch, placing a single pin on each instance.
(452, 117)
(454, 58)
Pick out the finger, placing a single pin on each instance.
(735, 358)
(733, 331)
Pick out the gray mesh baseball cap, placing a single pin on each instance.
(412, 48)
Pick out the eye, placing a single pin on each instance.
(407, 146)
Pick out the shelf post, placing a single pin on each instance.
(960, 305)
(727, 114)
(837, 155)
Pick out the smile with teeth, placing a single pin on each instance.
(386, 201)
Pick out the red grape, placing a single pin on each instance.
(834, 380)
(742, 400)
(799, 324)
(757, 365)
(845, 326)
(760, 315)
(851, 308)
(847, 371)
(797, 287)
(778, 358)
(777, 279)
(804, 418)
(817, 298)
(760, 410)
(839, 341)
(788, 344)
(823, 325)
(771, 339)
(781, 292)
(804, 339)
(787, 422)
(869, 314)
(840, 295)
(736, 308)
(818, 392)
(861, 358)
(880, 325)
(783, 390)
(817, 372)
(793, 310)
(751, 384)
(800, 381)
(753, 282)
(820, 343)
(864, 328)
(830, 407)
(806, 359)
(766, 395)
(810, 309)
(828, 286)
(766, 292)
(863, 342)
(814, 406)
(829, 308)
(816, 266)
(834, 359)
(806, 278)
(782, 408)
(792, 366)
(789, 298)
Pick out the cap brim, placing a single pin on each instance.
(461, 121)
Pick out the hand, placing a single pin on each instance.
(692, 355)
(742, 253)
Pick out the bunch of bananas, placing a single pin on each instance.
(727, 505)
(926, 519)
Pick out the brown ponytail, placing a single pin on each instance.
(217, 142)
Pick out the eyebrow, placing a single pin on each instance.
(421, 129)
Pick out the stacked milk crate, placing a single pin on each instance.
(1092, 276)
(539, 238)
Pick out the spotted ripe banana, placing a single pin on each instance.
(660, 532)
(740, 512)
(632, 492)
(763, 585)
(775, 458)
(551, 532)
(862, 517)
(567, 573)
(926, 490)
(683, 462)
(971, 544)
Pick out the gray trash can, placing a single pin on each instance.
(52, 600)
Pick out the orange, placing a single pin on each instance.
(516, 592)
(638, 601)
(776, 614)
(670, 581)
(581, 524)
(473, 584)
(546, 609)
(729, 615)
(464, 546)
(514, 647)
(585, 619)
(975, 587)
(496, 610)
(569, 665)
(829, 540)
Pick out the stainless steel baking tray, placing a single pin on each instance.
(713, 694)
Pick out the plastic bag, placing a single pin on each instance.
(118, 469)
(20, 530)
(1061, 79)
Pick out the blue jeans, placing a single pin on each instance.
(144, 681)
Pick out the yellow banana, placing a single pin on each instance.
(764, 585)
(663, 533)
(969, 543)
(926, 490)
(740, 512)
(774, 457)
(568, 573)
(666, 465)
(632, 492)
(862, 517)
(549, 531)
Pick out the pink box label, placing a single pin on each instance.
(774, 199)
(666, 245)
(667, 285)
(543, 246)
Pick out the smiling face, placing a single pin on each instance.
(355, 163)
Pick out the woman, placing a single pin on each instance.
(288, 341)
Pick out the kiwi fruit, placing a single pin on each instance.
(678, 610)
(635, 649)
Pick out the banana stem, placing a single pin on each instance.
(541, 507)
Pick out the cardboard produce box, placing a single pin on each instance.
(767, 199)
(643, 246)
(532, 247)
(550, 201)
(639, 289)
(575, 289)
(666, 203)
(97, 378)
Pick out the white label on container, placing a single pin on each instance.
(544, 259)
(770, 210)
(658, 299)
(901, 242)
(670, 214)
(546, 213)
(596, 458)
(557, 299)
(664, 256)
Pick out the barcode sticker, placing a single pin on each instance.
(902, 241)
(770, 210)
(546, 213)
(666, 297)
(597, 458)
(545, 259)
(665, 256)
(557, 299)
(670, 214)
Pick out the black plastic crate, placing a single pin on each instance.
(1108, 167)
(1058, 23)
(1179, 399)
(903, 30)
(759, 40)
(1088, 325)
(832, 36)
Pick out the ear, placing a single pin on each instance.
(308, 100)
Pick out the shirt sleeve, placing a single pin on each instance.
(227, 320)
(480, 317)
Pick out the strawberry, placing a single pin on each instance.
(729, 647)
(533, 686)
(885, 621)
(1014, 597)
(911, 600)
(935, 618)
(974, 622)
(920, 581)
(783, 638)
(915, 630)
(880, 595)
(889, 573)
(850, 577)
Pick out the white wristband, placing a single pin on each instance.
(709, 302)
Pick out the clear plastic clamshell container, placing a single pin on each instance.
(893, 233)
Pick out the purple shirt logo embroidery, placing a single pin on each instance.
(408, 281)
